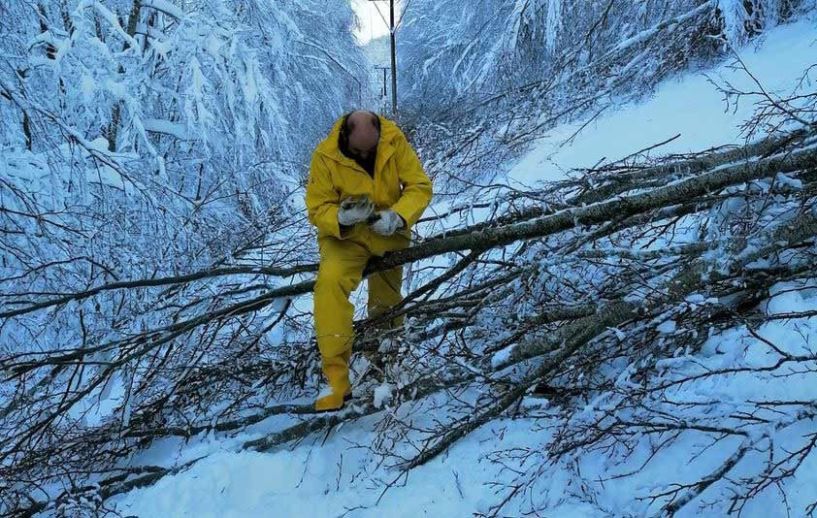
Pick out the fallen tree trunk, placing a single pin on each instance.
(584, 331)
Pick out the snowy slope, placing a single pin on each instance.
(689, 107)
(334, 475)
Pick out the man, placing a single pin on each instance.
(366, 189)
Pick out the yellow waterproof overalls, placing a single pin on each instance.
(399, 183)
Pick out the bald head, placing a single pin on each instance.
(363, 130)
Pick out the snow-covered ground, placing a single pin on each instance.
(329, 478)
(335, 475)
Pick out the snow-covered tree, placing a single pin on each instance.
(142, 139)
(497, 74)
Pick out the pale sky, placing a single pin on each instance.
(372, 25)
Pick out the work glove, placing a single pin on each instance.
(354, 210)
(385, 222)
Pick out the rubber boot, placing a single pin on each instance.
(336, 370)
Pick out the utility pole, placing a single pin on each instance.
(392, 32)
(385, 90)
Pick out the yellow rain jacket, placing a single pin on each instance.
(399, 183)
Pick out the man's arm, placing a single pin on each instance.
(416, 184)
(322, 200)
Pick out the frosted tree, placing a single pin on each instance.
(496, 76)
(143, 140)
(546, 37)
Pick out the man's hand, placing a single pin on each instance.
(385, 222)
(355, 210)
